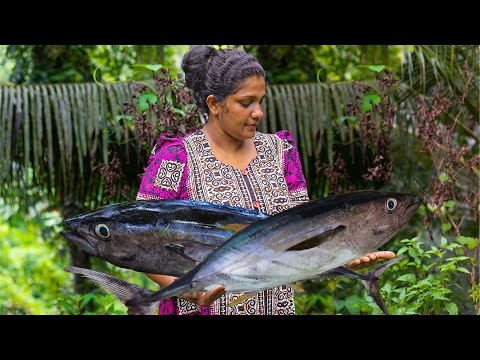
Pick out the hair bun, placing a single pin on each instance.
(195, 65)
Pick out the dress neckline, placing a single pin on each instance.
(223, 162)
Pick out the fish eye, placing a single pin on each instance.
(103, 231)
(391, 204)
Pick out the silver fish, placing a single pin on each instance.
(129, 293)
(301, 243)
(166, 237)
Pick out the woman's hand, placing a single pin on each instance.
(370, 259)
(203, 298)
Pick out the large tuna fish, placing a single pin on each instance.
(302, 243)
(166, 237)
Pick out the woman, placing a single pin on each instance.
(228, 162)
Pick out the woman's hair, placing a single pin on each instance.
(209, 71)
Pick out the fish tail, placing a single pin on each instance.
(372, 279)
(129, 294)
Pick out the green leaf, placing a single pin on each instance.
(402, 250)
(69, 308)
(411, 278)
(466, 240)
(387, 288)
(462, 269)
(86, 299)
(448, 203)
(451, 308)
(126, 117)
(111, 308)
(426, 282)
(443, 178)
(181, 112)
(368, 100)
(352, 304)
(153, 67)
(344, 118)
(452, 246)
(446, 226)
(339, 304)
(376, 68)
(145, 99)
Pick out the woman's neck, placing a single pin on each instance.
(220, 140)
(235, 152)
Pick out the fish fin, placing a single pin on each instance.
(297, 287)
(242, 298)
(318, 239)
(340, 271)
(180, 250)
(233, 227)
(123, 290)
(372, 280)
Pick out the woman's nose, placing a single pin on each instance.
(257, 112)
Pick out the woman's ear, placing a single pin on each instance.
(213, 106)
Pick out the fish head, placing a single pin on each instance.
(168, 236)
(379, 216)
(113, 233)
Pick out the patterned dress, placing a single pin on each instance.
(186, 168)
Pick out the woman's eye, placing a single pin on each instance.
(246, 104)
(103, 231)
(391, 204)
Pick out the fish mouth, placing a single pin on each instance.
(414, 205)
(79, 240)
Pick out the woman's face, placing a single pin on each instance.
(241, 112)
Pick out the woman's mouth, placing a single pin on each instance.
(252, 126)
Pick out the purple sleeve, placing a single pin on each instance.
(292, 168)
(166, 175)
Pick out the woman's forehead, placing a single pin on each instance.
(252, 86)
